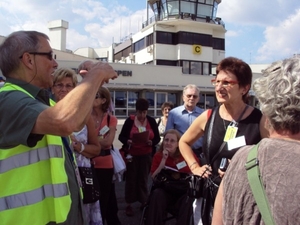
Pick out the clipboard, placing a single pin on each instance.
(140, 138)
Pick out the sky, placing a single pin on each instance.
(258, 32)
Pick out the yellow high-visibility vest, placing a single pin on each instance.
(33, 180)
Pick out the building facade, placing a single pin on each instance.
(180, 44)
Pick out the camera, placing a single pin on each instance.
(224, 164)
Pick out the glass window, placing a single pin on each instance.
(132, 97)
(206, 70)
(166, 62)
(164, 37)
(196, 68)
(207, 101)
(165, 8)
(218, 43)
(139, 45)
(185, 67)
(172, 98)
(120, 99)
(188, 7)
(160, 99)
(150, 98)
(204, 10)
(173, 7)
(193, 38)
(210, 101)
(149, 40)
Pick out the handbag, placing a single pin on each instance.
(90, 185)
(88, 181)
(119, 164)
(172, 182)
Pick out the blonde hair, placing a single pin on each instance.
(63, 73)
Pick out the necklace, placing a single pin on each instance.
(233, 122)
(97, 121)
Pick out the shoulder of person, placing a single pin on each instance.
(158, 154)
(199, 110)
(158, 120)
(150, 118)
(177, 109)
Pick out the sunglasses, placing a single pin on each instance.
(49, 55)
(98, 96)
(191, 96)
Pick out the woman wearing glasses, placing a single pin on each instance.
(85, 143)
(226, 128)
(168, 158)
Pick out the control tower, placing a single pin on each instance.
(196, 10)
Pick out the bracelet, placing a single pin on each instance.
(192, 164)
(82, 148)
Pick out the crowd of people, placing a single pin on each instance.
(54, 127)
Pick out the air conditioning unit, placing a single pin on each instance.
(131, 56)
(149, 49)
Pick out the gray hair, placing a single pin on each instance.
(14, 46)
(82, 65)
(191, 86)
(278, 92)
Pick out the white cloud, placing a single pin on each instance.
(256, 12)
(282, 40)
(232, 33)
(97, 23)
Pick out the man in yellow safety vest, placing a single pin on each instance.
(37, 172)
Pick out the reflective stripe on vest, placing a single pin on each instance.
(33, 181)
(32, 197)
(30, 157)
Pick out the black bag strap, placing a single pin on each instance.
(67, 146)
(257, 186)
(224, 143)
(108, 120)
(210, 129)
(159, 121)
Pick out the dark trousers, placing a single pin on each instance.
(137, 174)
(108, 200)
(161, 202)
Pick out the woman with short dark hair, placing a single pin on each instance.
(277, 91)
(233, 121)
(139, 135)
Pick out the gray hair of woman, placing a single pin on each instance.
(278, 92)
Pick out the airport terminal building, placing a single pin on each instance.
(181, 44)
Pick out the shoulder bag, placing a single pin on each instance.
(257, 186)
(89, 182)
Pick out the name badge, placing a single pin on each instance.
(142, 129)
(181, 165)
(236, 143)
(104, 130)
(230, 133)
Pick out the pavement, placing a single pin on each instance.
(120, 192)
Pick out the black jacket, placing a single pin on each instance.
(124, 135)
